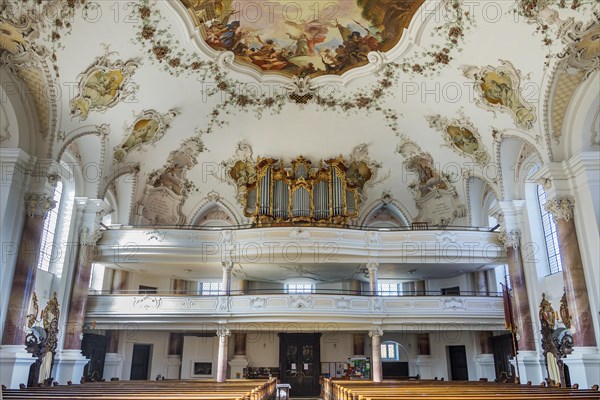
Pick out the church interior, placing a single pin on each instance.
(428, 214)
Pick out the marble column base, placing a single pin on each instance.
(485, 366)
(531, 367)
(237, 365)
(584, 366)
(69, 366)
(422, 367)
(113, 366)
(14, 365)
(173, 367)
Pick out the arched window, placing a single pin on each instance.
(550, 234)
(47, 244)
(389, 351)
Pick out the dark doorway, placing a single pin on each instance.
(140, 362)
(394, 370)
(451, 291)
(458, 363)
(93, 347)
(300, 362)
(503, 351)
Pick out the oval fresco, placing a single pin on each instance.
(303, 38)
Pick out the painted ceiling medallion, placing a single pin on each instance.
(500, 89)
(302, 38)
(148, 128)
(461, 136)
(103, 85)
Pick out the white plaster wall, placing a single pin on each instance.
(162, 283)
(461, 281)
(199, 349)
(336, 346)
(262, 349)
(159, 354)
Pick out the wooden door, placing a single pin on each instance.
(93, 347)
(140, 362)
(300, 362)
(503, 351)
(458, 363)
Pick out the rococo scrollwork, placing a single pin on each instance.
(461, 136)
(103, 85)
(499, 88)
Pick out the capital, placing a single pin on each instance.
(38, 204)
(89, 236)
(227, 265)
(560, 208)
(510, 239)
(375, 332)
(372, 266)
(222, 331)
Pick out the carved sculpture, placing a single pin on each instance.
(42, 340)
(557, 340)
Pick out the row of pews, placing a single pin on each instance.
(151, 390)
(440, 390)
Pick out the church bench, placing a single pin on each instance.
(440, 390)
(151, 390)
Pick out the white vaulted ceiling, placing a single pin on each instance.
(312, 130)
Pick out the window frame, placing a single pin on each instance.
(385, 350)
(299, 288)
(46, 255)
(385, 289)
(550, 234)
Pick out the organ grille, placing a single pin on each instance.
(298, 192)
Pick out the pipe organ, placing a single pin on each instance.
(298, 192)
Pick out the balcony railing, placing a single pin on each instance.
(413, 227)
(269, 292)
(157, 311)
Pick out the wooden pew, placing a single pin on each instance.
(151, 390)
(440, 390)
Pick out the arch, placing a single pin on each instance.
(20, 119)
(215, 213)
(121, 170)
(481, 195)
(582, 123)
(509, 152)
(401, 352)
(101, 131)
(388, 213)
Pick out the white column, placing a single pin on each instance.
(223, 334)
(376, 369)
(113, 366)
(372, 267)
(226, 283)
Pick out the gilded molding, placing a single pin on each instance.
(38, 204)
(89, 236)
(510, 239)
(560, 208)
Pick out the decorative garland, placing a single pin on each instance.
(428, 62)
(161, 45)
(531, 10)
(55, 14)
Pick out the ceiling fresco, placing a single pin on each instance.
(302, 38)
(382, 77)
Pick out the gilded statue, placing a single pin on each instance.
(565, 315)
